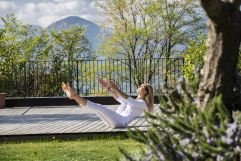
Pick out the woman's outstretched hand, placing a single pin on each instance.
(108, 87)
(108, 84)
(68, 90)
(104, 84)
(113, 85)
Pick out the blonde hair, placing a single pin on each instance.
(149, 98)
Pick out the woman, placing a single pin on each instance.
(129, 109)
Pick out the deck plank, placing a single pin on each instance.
(51, 120)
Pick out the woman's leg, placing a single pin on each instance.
(109, 116)
(72, 95)
(112, 118)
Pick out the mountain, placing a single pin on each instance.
(92, 29)
(36, 27)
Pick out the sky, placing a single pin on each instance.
(45, 12)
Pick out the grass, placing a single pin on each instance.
(79, 150)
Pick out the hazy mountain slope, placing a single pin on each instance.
(92, 29)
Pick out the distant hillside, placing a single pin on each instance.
(92, 32)
(37, 27)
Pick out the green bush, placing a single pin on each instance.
(183, 132)
(193, 56)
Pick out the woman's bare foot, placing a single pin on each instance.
(68, 90)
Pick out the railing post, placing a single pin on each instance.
(130, 75)
(166, 70)
(25, 79)
(77, 75)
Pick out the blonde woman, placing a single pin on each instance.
(129, 109)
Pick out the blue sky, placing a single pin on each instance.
(45, 12)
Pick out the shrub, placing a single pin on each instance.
(183, 132)
(193, 56)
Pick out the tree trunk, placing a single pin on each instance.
(219, 74)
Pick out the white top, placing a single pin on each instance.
(131, 107)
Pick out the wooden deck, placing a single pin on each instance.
(57, 120)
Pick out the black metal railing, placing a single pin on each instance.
(43, 78)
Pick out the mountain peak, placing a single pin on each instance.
(75, 19)
(72, 21)
(92, 33)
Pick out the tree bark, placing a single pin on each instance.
(219, 74)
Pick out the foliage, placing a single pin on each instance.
(70, 44)
(193, 56)
(183, 132)
(15, 47)
(148, 29)
(31, 59)
(239, 62)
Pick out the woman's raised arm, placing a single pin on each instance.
(120, 93)
(108, 88)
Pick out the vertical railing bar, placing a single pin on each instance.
(110, 73)
(65, 73)
(174, 70)
(81, 78)
(130, 76)
(25, 79)
(158, 76)
(117, 71)
(121, 73)
(147, 71)
(101, 67)
(33, 91)
(29, 73)
(77, 76)
(98, 72)
(171, 67)
(83, 73)
(44, 78)
(152, 68)
(93, 71)
(58, 77)
(86, 87)
(127, 75)
(37, 81)
(105, 72)
(89, 90)
(48, 79)
(114, 69)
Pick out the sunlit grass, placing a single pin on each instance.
(80, 150)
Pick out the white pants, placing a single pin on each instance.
(110, 117)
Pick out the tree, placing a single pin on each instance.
(144, 30)
(69, 45)
(220, 61)
(211, 133)
(32, 59)
(23, 42)
(12, 52)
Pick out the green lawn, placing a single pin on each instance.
(99, 150)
